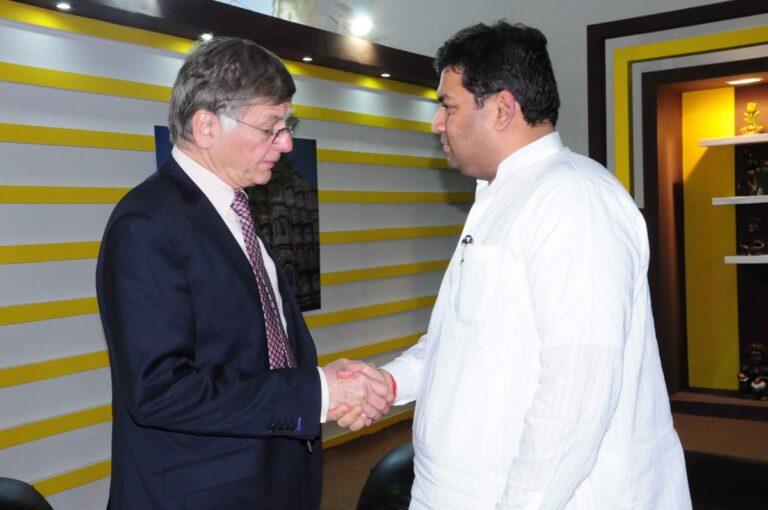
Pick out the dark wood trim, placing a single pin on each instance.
(292, 41)
(599, 33)
(671, 331)
(718, 410)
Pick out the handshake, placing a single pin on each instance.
(358, 392)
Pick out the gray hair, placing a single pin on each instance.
(224, 76)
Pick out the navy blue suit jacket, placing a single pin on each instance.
(199, 420)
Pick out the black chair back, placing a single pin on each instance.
(18, 495)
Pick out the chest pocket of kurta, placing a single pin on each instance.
(479, 280)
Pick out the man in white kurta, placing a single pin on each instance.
(538, 384)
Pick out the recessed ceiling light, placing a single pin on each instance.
(206, 36)
(386, 75)
(306, 59)
(745, 81)
(360, 25)
(63, 6)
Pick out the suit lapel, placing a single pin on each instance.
(210, 223)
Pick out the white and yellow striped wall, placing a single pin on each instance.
(78, 102)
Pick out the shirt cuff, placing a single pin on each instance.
(323, 396)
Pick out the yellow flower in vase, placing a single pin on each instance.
(750, 117)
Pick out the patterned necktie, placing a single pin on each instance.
(280, 355)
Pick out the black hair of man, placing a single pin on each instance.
(504, 57)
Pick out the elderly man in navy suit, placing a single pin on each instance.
(217, 397)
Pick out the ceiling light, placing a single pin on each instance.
(63, 6)
(385, 75)
(206, 36)
(360, 25)
(744, 81)
(306, 59)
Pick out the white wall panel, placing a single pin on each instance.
(32, 224)
(24, 164)
(29, 342)
(48, 165)
(92, 496)
(349, 335)
(42, 106)
(340, 176)
(342, 257)
(65, 51)
(371, 292)
(47, 281)
(350, 137)
(369, 216)
(348, 97)
(53, 397)
(62, 452)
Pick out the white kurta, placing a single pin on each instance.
(538, 383)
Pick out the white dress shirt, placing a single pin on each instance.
(221, 195)
(538, 384)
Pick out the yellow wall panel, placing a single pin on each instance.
(710, 234)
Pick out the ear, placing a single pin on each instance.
(205, 128)
(506, 109)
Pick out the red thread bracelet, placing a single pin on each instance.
(394, 384)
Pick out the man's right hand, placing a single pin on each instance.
(358, 393)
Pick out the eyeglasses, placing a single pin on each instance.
(272, 135)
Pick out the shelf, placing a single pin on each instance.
(734, 140)
(752, 199)
(746, 259)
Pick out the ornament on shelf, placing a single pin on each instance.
(750, 117)
(753, 376)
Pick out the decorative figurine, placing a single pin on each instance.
(750, 117)
(753, 377)
(753, 179)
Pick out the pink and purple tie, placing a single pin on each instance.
(280, 355)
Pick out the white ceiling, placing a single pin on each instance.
(418, 26)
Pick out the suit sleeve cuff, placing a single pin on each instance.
(323, 396)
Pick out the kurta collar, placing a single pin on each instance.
(219, 193)
(532, 153)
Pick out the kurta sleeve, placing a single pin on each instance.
(580, 253)
(406, 369)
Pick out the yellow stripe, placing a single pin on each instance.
(387, 234)
(79, 25)
(42, 370)
(41, 77)
(366, 351)
(90, 195)
(362, 119)
(50, 369)
(75, 24)
(16, 314)
(383, 423)
(73, 479)
(373, 158)
(374, 273)
(369, 82)
(42, 135)
(28, 253)
(623, 58)
(322, 320)
(33, 431)
(60, 195)
(391, 197)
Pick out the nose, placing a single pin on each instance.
(438, 123)
(283, 142)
